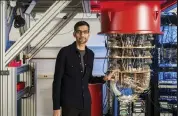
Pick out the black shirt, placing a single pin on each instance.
(70, 85)
(82, 53)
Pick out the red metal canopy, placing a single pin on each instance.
(129, 16)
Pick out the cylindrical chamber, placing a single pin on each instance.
(131, 57)
(131, 17)
(96, 99)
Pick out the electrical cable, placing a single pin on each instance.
(169, 36)
(153, 101)
(170, 40)
(110, 90)
(148, 91)
(105, 100)
(105, 55)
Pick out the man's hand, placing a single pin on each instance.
(56, 112)
(109, 77)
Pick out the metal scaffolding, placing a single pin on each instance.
(52, 33)
(32, 32)
(10, 96)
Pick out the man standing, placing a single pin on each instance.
(73, 72)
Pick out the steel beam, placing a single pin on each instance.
(30, 8)
(12, 92)
(3, 77)
(168, 4)
(27, 19)
(22, 69)
(78, 16)
(53, 32)
(3, 33)
(32, 32)
(26, 16)
(8, 94)
(10, 19)
(86, 6)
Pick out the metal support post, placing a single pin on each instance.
(8, 93)
(32, 32)
(10, 19)
(155, 79)
(30, 8)
(3, 34)
(3, 70)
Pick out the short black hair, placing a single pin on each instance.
(81, 23)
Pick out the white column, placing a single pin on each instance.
(3, 37)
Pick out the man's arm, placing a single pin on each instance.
(95, 79)
(101, 79)
(58, 74)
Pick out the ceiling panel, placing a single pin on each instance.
(43, 5)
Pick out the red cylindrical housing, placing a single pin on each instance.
(96, 99)
(130, 17)
(95, 6)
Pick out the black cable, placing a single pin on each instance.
(158, 109)
(106, 42)
(105, 99)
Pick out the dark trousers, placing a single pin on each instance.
(67, 111)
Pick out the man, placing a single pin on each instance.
(73, 72)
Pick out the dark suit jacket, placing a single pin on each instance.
(70, 85)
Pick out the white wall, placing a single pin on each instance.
(65, 37)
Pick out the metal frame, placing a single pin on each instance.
(32, 32)
(23, 29)
(9, 102)
(9, 95)
(22, 69)
(10, 19)
(3, 36)
(13, 94)
(30, 8)
(168, 5)
(155, 90)
(86, 6)
(3, 32)
(154, 100)
(53, 32)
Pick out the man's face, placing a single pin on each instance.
(82, 34)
